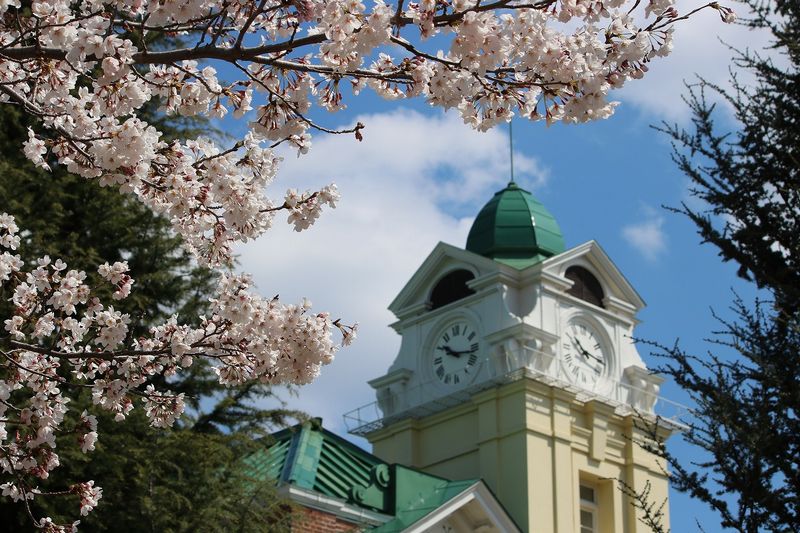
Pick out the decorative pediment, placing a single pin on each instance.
(620, 296)
(453, 507)
(415, 297)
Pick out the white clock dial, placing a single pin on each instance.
(585, 360)
(455, 353)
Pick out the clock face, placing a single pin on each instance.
(584, 357)
(455, 353)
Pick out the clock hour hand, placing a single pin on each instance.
(598, 359)
(461, 352)
(449, 351)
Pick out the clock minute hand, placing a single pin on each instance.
(581, 349)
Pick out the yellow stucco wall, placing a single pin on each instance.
(533, 444)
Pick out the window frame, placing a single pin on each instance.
(449, 288)
(588, 506)
(585, 285)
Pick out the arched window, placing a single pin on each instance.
(585, 286)
(450, 288)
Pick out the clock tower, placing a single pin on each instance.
(516, 366)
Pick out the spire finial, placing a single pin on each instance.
(511, 151)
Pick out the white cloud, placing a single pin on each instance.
(701, 47)
(648, 235)
(402, 189)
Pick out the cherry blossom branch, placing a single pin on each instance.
(58, 329)
(166, 57)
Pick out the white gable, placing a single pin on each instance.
(474, 510)
(592, 257)
(444, 258)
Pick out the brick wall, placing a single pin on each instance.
(314, 521)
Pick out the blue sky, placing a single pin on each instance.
(420, 177)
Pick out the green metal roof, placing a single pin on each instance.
(515, 228)
(310, 457)
(313, 458)
(417, 495)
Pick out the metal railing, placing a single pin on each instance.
(422, 400)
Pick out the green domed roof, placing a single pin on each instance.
(515, 228)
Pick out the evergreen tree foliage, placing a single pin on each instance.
(188, 478)
(75, 219)
(749, 177)
(746, 392)
(176, 480)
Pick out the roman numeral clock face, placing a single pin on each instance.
(584, 356)
(455, 353)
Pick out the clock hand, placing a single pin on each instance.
(449, 351)
(586, 353)
(598, 359)
(460, 352)
(577, 343)
(584, 350)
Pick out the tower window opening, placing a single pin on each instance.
(588, 509)
(451, 287)
(585, 286)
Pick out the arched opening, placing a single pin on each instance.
(585, 286)
(451, 287)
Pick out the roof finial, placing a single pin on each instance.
(511, 152)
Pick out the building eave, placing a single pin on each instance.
(334, 506)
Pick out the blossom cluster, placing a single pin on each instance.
(84, 68)
(60, 335)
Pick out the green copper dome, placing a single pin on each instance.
(515, 228)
